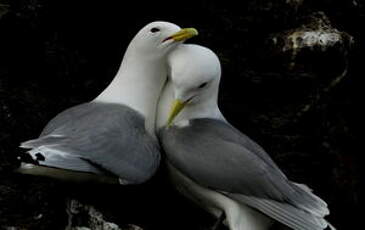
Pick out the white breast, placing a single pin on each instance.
(238, 216)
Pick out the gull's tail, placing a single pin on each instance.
(331, 226)
(49, 155)
(284, 213)
(304, 199)
(43, 158)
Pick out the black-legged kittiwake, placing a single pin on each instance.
(113, 135)
(216, 165)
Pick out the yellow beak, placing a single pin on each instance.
(176, 108)
(184, 34)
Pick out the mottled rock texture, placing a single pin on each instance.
(291, 81)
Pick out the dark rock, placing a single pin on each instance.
(4, 8)
(299, 97)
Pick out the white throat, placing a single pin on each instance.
(138, 85)
(207, 109)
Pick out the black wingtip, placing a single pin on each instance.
(27, 158)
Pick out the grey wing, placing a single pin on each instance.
(285, 213)
(215, 155)
(238, 137)
(98, 138)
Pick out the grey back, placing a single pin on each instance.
(107, 136)
(216, 155)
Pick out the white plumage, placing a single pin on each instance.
(217, 166)
(113, 135)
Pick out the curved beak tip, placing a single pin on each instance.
(176, 108)
(184, 34)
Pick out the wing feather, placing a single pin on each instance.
(216, 155)
(111, 136)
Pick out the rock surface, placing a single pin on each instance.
(291, 81)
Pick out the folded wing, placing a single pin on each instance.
(98, 138)
(216, 155)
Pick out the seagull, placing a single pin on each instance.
(111, 138)
(214, 164)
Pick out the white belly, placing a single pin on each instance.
(238, 216)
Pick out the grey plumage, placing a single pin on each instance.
(98, 138)
(218, 156)
(285, 213)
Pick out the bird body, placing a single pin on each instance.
(113, 135)
(234, 176)
(146, 79)
(238, 216)
(216, 165)
(95, 137)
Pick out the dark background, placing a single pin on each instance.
(55, 54)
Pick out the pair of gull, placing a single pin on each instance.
(115, 138)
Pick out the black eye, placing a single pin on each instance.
(154, 30)
(202, 85)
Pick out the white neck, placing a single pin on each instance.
(138, 85)
(207, 109)
(164, 105)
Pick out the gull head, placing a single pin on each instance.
(194, 74)
(158, 38)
